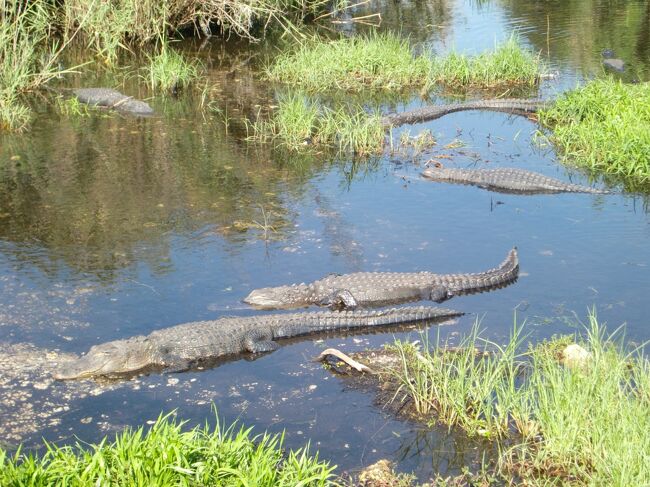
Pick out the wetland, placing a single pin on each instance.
(113, 225)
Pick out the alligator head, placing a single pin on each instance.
(108, 359)
(292, 296)
(439, 174)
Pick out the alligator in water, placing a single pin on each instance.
(509, 105)
(366, 289)
(188, 345)
(107, 98)
(507, 180)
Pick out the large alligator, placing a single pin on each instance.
(509, 105)
(367, 289)
(107, 98)
(507, 180)
(182, 347)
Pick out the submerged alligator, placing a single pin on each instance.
(508, 180)
(509, 105)
(367, 289)
(184, 346)
(107, 98)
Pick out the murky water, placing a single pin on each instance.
(112, 226)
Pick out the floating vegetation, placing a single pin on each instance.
(170, 454)
(508, 64)
(604, 127)
(583, 420)
(386, 62)
(169, 70)
(300, 122)
(377, 61)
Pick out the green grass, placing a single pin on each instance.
(386, 62)
(604, 127)
(27, 57)
(170, 454)
(169, 70)
(508, 64)
(589, 425)
(376, 61)
(299, 122)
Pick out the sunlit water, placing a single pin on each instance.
(111, 227)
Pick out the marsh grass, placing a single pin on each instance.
(604, 127)
(28, 57)
(386, 62)
(508, 64)
(109, 27)
(300, 122)
(377, 61)
(587, 425)
(170, 454)
(169, 70)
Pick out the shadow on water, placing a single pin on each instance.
(114, 226)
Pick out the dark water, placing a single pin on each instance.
(111, 226)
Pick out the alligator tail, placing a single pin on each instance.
(503, 275)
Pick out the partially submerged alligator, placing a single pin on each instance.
(367, 289)
(187, 345)
(107, 98)
(509, 105)
(507, 180)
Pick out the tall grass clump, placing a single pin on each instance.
(605, 127)
(169, 454)
(109, 26)
(508, 64)
(463, 387)
(377, 61)
(27, 57)
(583, 424)
(299, 121)
(169, 70)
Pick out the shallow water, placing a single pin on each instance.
(112, 226)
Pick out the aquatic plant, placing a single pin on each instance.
(28, 57)
(170, 454)
(386, 62)
(604, 126)
(378, 61)
(299, 121)
(508, 64)
(588, 423)
(170, 70)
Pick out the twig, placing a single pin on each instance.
(358, 366)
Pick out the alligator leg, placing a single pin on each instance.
(174, 363)
(258, 341)
(438, 294)
(339, 300)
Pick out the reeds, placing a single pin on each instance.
(587, 424)
(299, 121)
(377, 61)
(169, 70)
(604, 127)
(386, 62)
(28, 58)
(170, 454)
(507, 64)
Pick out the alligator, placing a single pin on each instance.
(611, 61)
(508, 180)
(366, 289)
(509, 105)
(107, 98)
(189, 345)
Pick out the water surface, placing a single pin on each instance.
(112, 226)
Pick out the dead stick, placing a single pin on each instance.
(358, 366)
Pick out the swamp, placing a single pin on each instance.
(248, 144)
